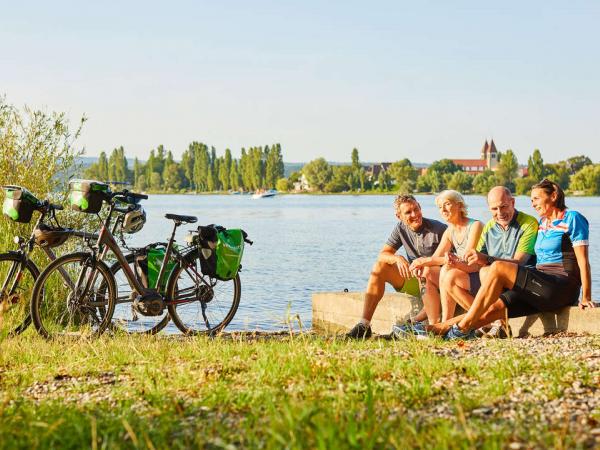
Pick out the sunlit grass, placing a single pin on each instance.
(295, 392)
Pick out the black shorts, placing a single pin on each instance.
(474, 283)
(536, 292)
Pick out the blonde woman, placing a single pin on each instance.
(461, 236)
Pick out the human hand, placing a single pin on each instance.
(417, 264)
(451, 259)
(403, 267)
(472, 256)
(586, 303)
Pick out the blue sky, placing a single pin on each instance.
(394, 79)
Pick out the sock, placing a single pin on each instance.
(365, 322)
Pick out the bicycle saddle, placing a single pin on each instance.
(182, 219)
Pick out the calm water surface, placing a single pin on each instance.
(305, 244)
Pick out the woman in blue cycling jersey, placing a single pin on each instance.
(562, 270)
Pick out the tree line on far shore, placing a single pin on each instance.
(576, 173)
(201, 170)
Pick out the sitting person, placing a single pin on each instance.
(420, 237)
(509, 236)
(460, 237)
(561, 274)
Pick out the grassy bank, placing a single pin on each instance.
(298, 392)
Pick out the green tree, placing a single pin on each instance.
(283, 185)
(234, 177)
(187, 166)
(355, 159)
(483, 182)
(460, 181)
(404, 175)
(137, 172)
(576, 163)
(171, 175)
(559, 173)
(523, 185)
(432, 181)
(318, 173)
(444, 166)
(508, 169)
(535, 166)
(201, 166)
(274, 165)
(155, 181)
(587, 180)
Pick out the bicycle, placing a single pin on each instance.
(86, 308)
(18, 271)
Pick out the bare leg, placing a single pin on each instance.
(496, 312)
(502, 275)
(431, 298)
(448, 303)
(380, 274)
(456, 284)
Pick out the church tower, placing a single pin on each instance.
(492, 156)
(484, 150)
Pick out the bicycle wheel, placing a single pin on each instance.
(198, 304)
(16, 286)
(73, 296)
(125, 318)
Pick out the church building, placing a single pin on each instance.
(489, 160)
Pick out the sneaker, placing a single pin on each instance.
(409, 330)
(360, 331)
(455, 334)
(499, 332)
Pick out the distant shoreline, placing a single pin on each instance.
(354, 194)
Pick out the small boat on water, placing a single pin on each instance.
(262, 193)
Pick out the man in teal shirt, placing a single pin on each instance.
(509, 236)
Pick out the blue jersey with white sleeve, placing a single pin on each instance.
(555, 242)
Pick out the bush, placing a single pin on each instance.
(36, 151)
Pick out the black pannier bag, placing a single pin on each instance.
(221, 251)
(87, 195)
(19, 204)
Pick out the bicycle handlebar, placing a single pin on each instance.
(132, 198)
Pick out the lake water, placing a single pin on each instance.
(306, 243)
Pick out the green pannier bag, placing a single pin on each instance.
(221, 251)
(148, 263)
(19, 204)
(87, 195)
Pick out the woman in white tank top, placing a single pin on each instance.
(461, 235)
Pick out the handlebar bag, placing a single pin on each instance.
(87, 195)
(19, 204)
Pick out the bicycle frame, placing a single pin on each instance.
(106, 241)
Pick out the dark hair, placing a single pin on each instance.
(404, 198)
(549, 187)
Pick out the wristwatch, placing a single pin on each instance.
(489, 260)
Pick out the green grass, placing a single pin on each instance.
(292, 392)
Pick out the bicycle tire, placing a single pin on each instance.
(219, 307)
(44, 298)
(120, 315)
(15, 306)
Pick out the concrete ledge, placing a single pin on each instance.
(334, 312)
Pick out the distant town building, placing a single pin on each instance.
(488, 160)
(373, 171)
(302, 184)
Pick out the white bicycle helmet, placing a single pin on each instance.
(134, 221)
